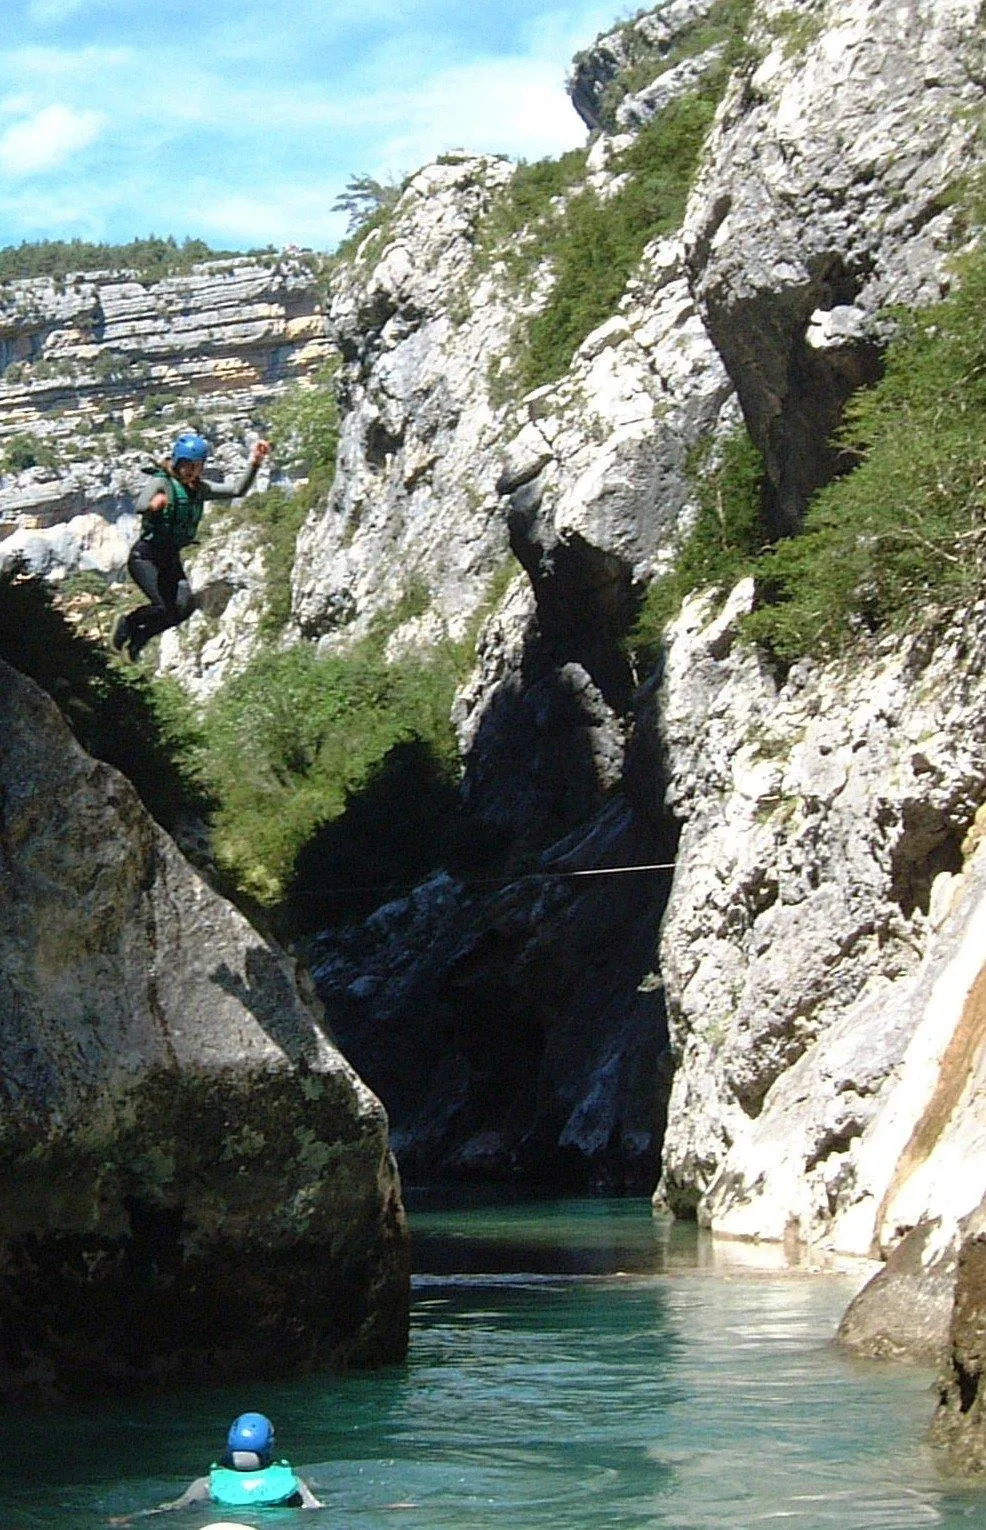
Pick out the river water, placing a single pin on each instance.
(572, 1365)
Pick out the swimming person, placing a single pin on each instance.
(245, 1477)
(170, 505)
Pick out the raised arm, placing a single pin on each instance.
(236, 490)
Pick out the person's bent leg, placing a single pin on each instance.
(184, 600)
(159, 581)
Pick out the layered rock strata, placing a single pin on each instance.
(101, 371)
(184, 1144)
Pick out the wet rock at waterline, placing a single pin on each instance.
(905, 1310)
(198, 1184)
(959, 1426)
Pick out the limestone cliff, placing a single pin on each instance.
(821, 950)
(197, 1182)
(828, 803)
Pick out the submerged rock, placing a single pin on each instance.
(197, 1182)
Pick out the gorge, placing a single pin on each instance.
(775, 1023)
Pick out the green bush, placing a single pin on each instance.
(305, 422)
(898, 540)
(293, 738)
(146, 729)
(722, 544)
(594, 245)
(905, 532)
(598, 244)
(278, 517)
(510, 230)
(27, 451)
(725, 25)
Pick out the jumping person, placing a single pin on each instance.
(245, 1477)
(170, 505)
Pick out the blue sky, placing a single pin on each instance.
(240, 121)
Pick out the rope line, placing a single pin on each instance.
(505, 877)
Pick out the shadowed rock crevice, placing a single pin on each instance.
(930, 844)
(585, 596)
(796, 356)
(520, 1034)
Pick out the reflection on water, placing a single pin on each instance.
(548, 1391)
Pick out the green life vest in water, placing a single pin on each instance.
(267, 1486)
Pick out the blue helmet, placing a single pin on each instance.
(190, 448)
(251, 1431)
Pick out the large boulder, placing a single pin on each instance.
(196, 1182)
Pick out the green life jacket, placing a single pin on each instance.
(267, 1486)
(178, 523)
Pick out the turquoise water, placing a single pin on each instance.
(591, 1367)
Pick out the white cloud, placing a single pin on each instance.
(502, 106)
(47, 140)
(293, 215)
(51, 12)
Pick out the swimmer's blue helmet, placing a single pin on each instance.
(192, 448)
(251, 1431)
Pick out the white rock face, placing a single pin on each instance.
(824, 191)
(228, 576)
(86, 542)
(601, 457)
(823, 942)
(414, 500)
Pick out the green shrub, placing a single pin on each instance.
(152, 258)
(294, 737)
(27, 451)
(796, 30)
(724, 25)
(278, 517)
(594, 245)
(905, 532)
(306, 422)
(899, 539)
(600, 243)
(721, 546)
(510, 230)
(146, 729)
